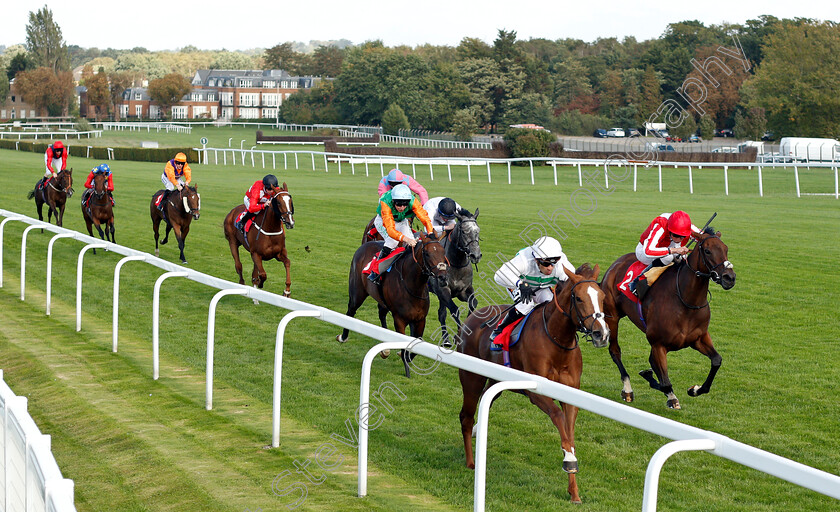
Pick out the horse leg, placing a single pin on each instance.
(615, 353)
(112, 228)
(258, 276)
(59, 216)
(180, 235)
(237, 264)
(166, 234)
(155, 228)
(286, 263)
(357, 295)
(472, 386)
(659, 365)
(562, 422)
(705, 347)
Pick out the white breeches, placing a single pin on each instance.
(402, 226)
(168, 184)
(647, 260)
(543, 295)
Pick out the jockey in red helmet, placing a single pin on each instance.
(665, 240)
(55, 160)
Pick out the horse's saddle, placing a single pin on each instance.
(510, 334)
(644, 282)
(374, 264)
(247, 224)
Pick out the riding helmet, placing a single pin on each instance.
(679, 223)
(180, 157)
(401, 193)
(104, 169)
(547, 248)
(270, 182)
(446, 207)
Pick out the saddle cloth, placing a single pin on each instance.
(158, 199)
(634, 270)
(247, 224)
(510, 334)
(373, 265)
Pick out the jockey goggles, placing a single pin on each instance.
(401, 202)
(545, 262)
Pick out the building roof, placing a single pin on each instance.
(256, 77)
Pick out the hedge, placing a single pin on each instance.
(101, 153)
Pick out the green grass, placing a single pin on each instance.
(777, 331)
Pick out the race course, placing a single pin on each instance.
(131, 443)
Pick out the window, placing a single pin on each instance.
(249, 99)
(268, 84)
(199, 111)
(138, 110)
(211, 83)
(246, 82)
(138, 96)
(249, 113)
(211, 97)
(269, 113)
(13, 99)
(270, 100)
(123, 110)
(179, 112)
(227, 98)
(3, 114)
(196, 96)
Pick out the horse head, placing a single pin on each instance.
(283, 206)
(584, 304)
(64, 180)
(710, 258)
(99, 183)
(191, 200)
(431, 256)
(467, 237)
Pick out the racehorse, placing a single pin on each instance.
(100, 210)
(266, 239)
(54, 194)
(548, 347)
(462, 249)
(674, 313)
(180, 208)
(371, 234)
(403, 292)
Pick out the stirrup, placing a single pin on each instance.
(375, 278)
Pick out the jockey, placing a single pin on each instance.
(55, 160)
(176, 174)
(663, 241)
(100, 169)
(397, 208)
(529, 276)
(395, 177)
(442, 212)
(257, 198)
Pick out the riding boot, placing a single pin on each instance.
(111, 197)
(512, 316)
(240, 224)
(639, 286)
(376, 277)
(162, 202)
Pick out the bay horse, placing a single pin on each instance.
(180, 208)
(548, 347)
(54, 194)
(100, 211)
(674, 313)
(266, 239)
(462, 250)
(370, 234)
(404, 291)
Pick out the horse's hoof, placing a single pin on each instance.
(627, 397)
(184, 262)
(570, 466)
(694, 391)
(385, 353)
(673, 404)
(157, 253)
(163, 242)
(287, 294)
(339, 339)
(576, 501)
(471, 465)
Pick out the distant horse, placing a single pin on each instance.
(101, 212)
(462, 251)
(54, 194)
(181, 207)
(404, 291)
(675, 312)
(266, 238)
(548, 347)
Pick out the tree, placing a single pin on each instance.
(464, 124)
(651, 92)
(4, 89)
(798, 80)
(232, 60)
(721, 99)
(750, 125)
(45, 43)
(20, 62)
(282, 56)
(48, 92)
(394, 120)
(119, 81)
(707, 127)
(327, 61)
(686, 129)
(98, 93)
(169, 90)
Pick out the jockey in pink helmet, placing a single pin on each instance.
(395, 177)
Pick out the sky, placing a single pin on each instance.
(217, 24)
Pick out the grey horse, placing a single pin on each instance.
(462, 251)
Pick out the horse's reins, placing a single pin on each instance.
(424, 270)
(714, 276)
(581, 324)
(458, 245)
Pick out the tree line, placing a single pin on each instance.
(788, 83)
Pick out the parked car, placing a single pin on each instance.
(768, 136)
(725, 149)
(653, 146)
(661, 133)
(726, 132)
(615, 132)
(695, 138)
(632, 132)
(600, 133)
(673, 138)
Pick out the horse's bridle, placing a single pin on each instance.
(60, 180)
(458, 245)
(424, 266)
(289, 213)
(711, 274)
(581, 323)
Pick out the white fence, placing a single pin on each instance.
(50, 135)
(29, 476)
(147, 127)
(686, 437)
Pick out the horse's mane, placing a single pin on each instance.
(585, 270)
(709, 231)
(465, 212)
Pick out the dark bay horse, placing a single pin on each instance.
(181, 207)
(675, 312)
(404, 291)
(266, 238)
(368, 237)
(101, 212)
(548, 347)
(54, 194)
(462, 251)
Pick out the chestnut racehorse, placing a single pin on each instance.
(404, 290)
(675, 312)
(548, 347)
(181, 207)
(266, 238)
(101, 211)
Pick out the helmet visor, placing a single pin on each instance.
(401, 202)
(547, 262)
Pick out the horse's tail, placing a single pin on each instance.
(31, 194)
